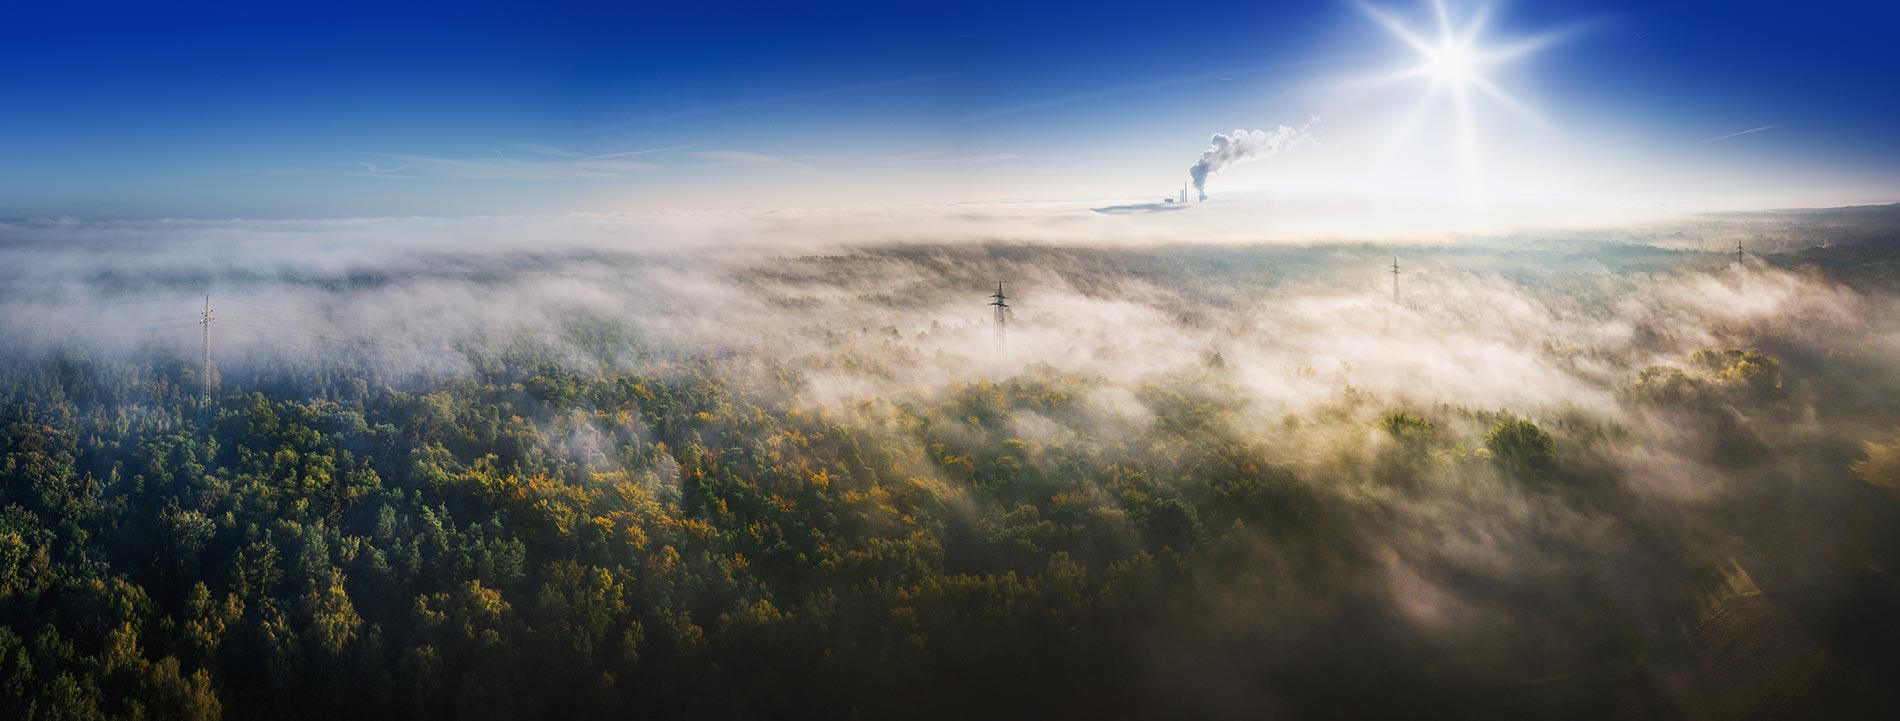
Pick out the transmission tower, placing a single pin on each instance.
(999, 302)
(1395, 279)
(204, 361)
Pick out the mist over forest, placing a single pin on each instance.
(740, 465)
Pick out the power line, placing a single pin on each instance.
(121, 330)
(192, 319)
(121, 301)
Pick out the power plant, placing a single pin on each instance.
(1182, 200)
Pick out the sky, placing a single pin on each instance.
(339, 110)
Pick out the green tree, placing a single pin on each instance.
(1521, 449)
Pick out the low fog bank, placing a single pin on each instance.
(1520, 320)
(1696, 415)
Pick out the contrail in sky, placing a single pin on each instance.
(633, 152)
(1741, 133)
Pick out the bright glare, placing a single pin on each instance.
(1454, 64)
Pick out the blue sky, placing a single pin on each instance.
(344, 110)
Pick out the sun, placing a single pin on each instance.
(1456, 65)
(1452, 63)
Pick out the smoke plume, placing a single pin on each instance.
(1242, 146)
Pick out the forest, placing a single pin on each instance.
(1585, 477)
